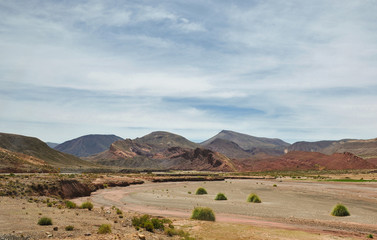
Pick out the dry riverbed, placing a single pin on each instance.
(292, 207)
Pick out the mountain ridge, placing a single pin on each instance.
(87, 145)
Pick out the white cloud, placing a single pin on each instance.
(309, 66)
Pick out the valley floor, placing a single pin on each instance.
(301, 208)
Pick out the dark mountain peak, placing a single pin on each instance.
(88, 145)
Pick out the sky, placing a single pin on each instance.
(294, 70)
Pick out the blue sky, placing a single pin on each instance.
(295, 70)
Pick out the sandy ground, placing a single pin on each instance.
(292, 205)
(18, 217)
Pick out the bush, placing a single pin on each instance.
(104, 229)
(44, 221)
(253, 198)
(87, 205)
(139, 221)
(201, 213)
(201, 191)
(69, 228)
(49, 204)
(70, 204)
(157, 223)
(370, 236)
(340, 211)
(148, 225)
(119, 212)
(220, 196)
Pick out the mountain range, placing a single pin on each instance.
(162, 150)
(226, 151)
(87, 145)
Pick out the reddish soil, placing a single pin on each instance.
(297, 160)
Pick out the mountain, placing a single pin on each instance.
(13, 162)
(238, 145)
(36, 149)
(162, 150)
(361, 148)
(51, 144)
(87, 145)
(297, 160)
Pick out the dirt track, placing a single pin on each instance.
(290, 205)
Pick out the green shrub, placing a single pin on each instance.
(49, 204)
(275, 185)
(201, 191)
(173, 232)
(69, 228)
(44, 221)
(253, 198)
(139, 221)
(370, 236)
(220, 196)
(340, 211)
(202, 213)
(148, 225)
(119, 212)
(104, 229)
(70, 204)
(157, 223)
(87, 205)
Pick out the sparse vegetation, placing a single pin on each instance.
(149, 223)
(44, 221)
(370, 236)
(119, 212)
(87, 205)
(201, 191)
(340, 211)
(104, 229)
(70, 204)
(253, 198)
(220, 196)
(69, 228)
(203, 213)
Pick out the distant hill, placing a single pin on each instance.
(51, 144)
(39, 150)
(362, 148)
(13, 162)
(297, 160)
(162, 150)
(238, 145)
(87, 145)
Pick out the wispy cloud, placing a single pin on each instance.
(297, 70)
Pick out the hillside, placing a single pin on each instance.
(238, 145)
(305, 161)
(12, 162)
(36, 148)
(161, 150)
(87, 145)
(361, 148)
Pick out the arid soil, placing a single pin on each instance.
(19, 217)
(291, 205)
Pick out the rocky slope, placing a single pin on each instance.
(162, 150)
(238, 145)
(362, 148)
(87, 145)
(297, 160)
(33, 148)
